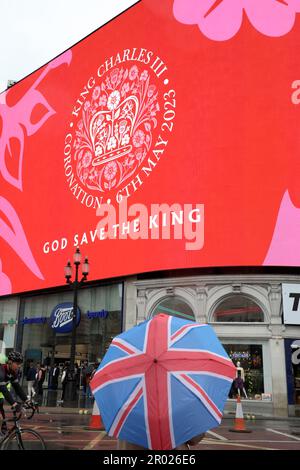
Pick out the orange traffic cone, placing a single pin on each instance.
(96, 421)
(239, 423)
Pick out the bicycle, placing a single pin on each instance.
(18, 438)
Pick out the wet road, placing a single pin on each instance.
(71, 431)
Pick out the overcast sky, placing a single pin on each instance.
(32, 32)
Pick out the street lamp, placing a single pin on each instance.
(70, 393)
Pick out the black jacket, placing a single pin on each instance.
(7, 377)
(30, 375)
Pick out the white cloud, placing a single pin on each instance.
(34, 31)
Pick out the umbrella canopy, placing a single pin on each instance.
(163, 382)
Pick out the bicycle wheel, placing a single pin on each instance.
(27, 439)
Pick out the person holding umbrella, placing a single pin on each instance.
(162, 383)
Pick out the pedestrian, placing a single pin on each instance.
(64, 379)
(89, 374)
(53, 375)
(95, 368)
(83, 377)
(8, 378)
(76, 374)
(40, 378)
(2, 412)
(30, 377)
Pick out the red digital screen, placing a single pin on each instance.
(166, 139)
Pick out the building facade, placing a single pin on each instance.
(245, 310)
(246, 314)
(32, 323)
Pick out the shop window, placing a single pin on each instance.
(238, 308)
(176, 307)
(249, 381)
(8, 314)
(100, 321)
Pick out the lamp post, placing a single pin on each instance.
(70, 393)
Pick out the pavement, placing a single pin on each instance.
(227, 415)
(65, 428)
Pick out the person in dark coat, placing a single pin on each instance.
(40, 378)
(53, 376)
(30, 377)
(83, 377)
(64, 379)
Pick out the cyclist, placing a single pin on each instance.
(9, 377)
(2, 412)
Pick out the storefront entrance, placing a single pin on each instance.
(100, 320)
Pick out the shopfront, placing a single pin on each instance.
(248, 357)
(243, 308)
(100, 319)
(246, 313)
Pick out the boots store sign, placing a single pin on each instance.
(61, 319)
(291, 304)
(146, 136)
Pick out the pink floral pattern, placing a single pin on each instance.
(221, 19)
(110, 171)
(284, 248)
(138, 138)
(16, 124)
(5, 284)
(118, 121)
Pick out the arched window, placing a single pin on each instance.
(238, 308)
(176, 307)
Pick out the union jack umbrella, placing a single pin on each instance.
(163, 382)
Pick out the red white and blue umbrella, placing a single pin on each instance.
(163, 382)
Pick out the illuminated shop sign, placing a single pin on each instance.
(61, 319)
(291, 304)
(97, 314)
(32, 321)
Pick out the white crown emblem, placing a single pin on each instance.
(112, 130)
(114, 133)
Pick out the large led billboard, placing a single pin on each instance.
(169, 138)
